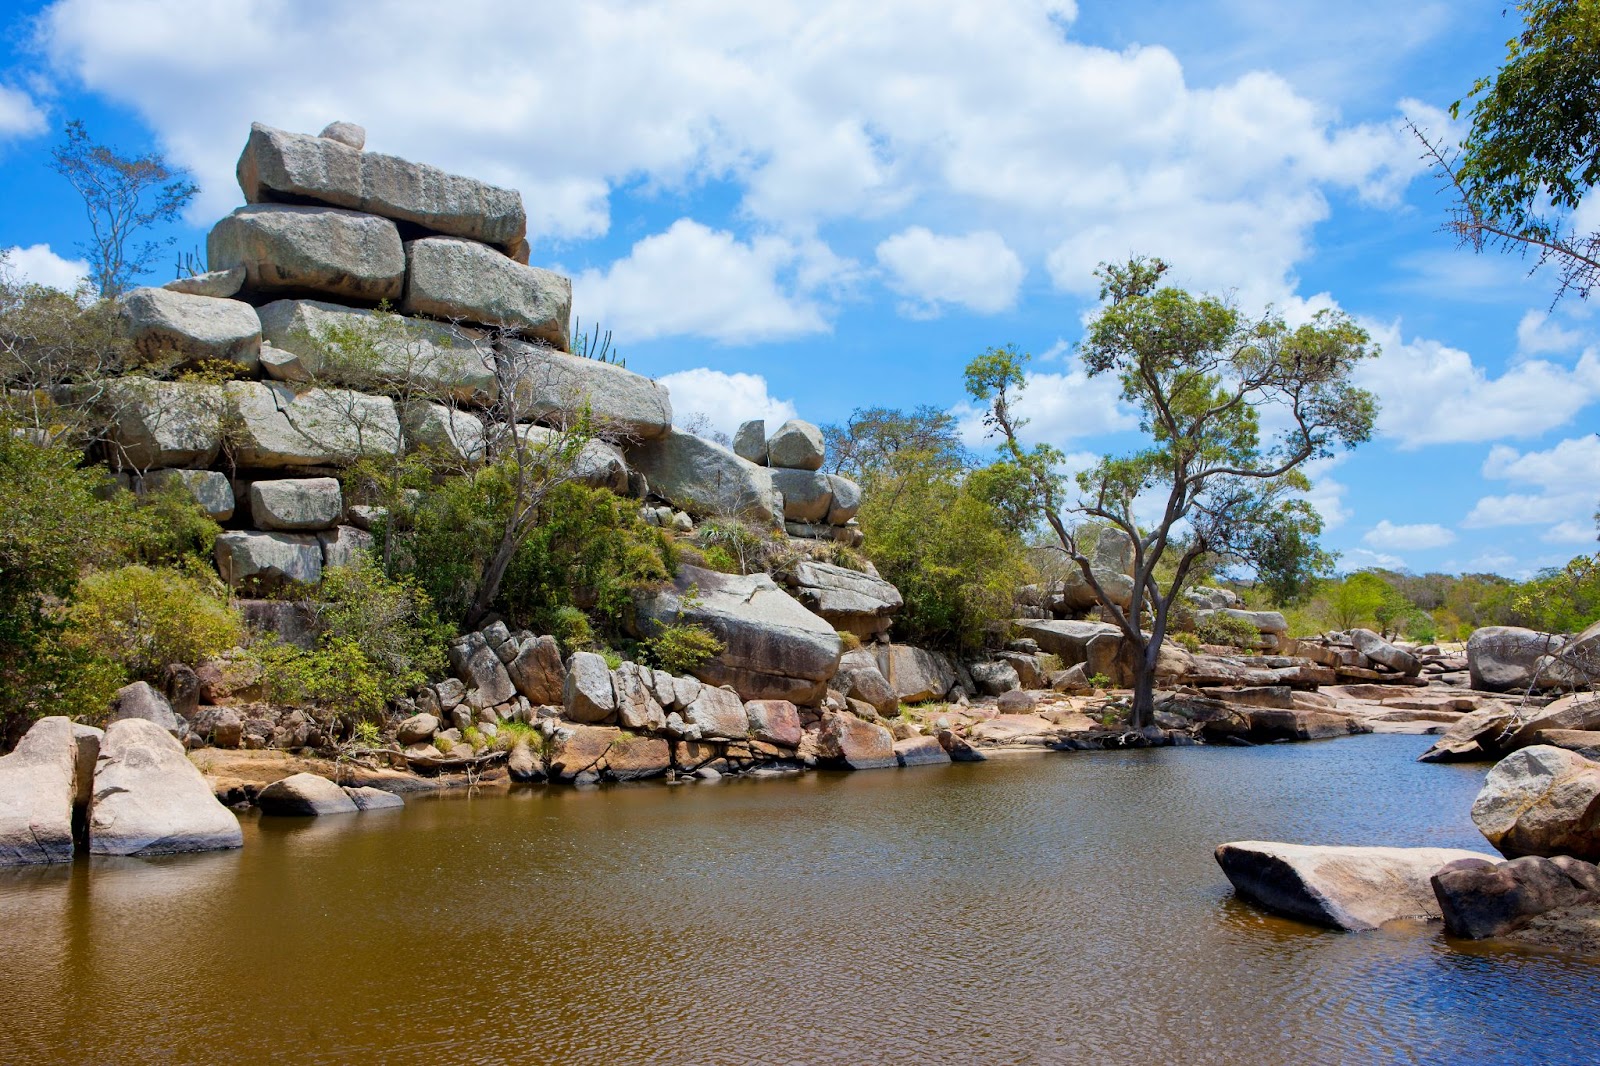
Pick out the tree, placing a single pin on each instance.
(877, 439)
(1533, 150)
(1196, 370)
(122, 196)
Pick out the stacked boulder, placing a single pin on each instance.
(328, 232)
(816, 505)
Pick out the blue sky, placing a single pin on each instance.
(810, 207)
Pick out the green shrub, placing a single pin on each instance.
(168, 528)
(335, 676)
(1099, 681)
(679, 647)
(1228, 630)
(143, 619)
(1187, 641)
(848, 641)
(571, 629)
(735, 547)
(718, 558)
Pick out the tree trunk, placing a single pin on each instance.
(490, 586)
(1144, 690)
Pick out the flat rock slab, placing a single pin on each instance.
(920, 751)
(451, 278)
(706, 479)
(185, 329)
(150, 800)
(301, 248)
(281, 166)
(280, 427)
(1350, 888)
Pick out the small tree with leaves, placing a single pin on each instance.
(1197, 371)
(123, 196)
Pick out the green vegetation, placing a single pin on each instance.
(679, 647)
(141, 619)
(1226, 630)
(1196, 369)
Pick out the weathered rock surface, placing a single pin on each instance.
(553, 386)
(630, 757)
(293, 505)
(208, 488)
(340, 545)
(846, 500)
(915, 674)
(140, 700)
(367, 798)
(418, 729)
(796, 445)
(281, 166)
(848, 600)
(347, 133)
(1268, 724)
(1476, 735)
(598, 464)
(717, 714)
(266, 561)
(1501, 658)
(38, 786)
(587, 692)
(637, 706)
(477, 665)
(304, 795)
(704, 478)
(165, 423)
(807, 494)
(150, 800)
(859, 678)
(456, 434)
(279, 427)
(1580, 710)
(1482, 898)
(853, 744)
(1541, 801)
(920, 751)
(537, 672)
(451, 278)
(576, 749)
(774, 647)
(1097, 645)
(774, 722)
(299, 248)
(433, 355)
(1383, 653)
(1344, 887)
(750, 441)
(175, 326)
(218, 283)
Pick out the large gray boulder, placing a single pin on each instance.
(150, 800)
(916, 675)
(183, 329)
(1344, 887)
(300, 248)
(807, 494)
(340, 545)
(1503, 658)
(435, 357)
(796, 445)
(455, 434)
(848, 600)
(1576, 664)
(537, 671)
(450, 278)
(292, 167)
(587, 692)
(552, 386)
(296, 504)
(637, 706)
(164, 423)
(1098, 645)
(773, 647)
(1385, 654)
(860, 679)
(704, 478)
(750, 441)
(278, 427)
(39, 782)
(852, 744)
(717, 714)
(1541, 800)
(266, 561)
(208, 488)
(140, 700)
(479, 667)
(846, 500)
(303, 795)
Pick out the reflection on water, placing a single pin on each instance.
(1054, 909)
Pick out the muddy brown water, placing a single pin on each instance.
(1055, 909)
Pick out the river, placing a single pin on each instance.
(1050, 909)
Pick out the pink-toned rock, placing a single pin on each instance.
(1009, 728)
(630, 757)
(856, 745)
(920, 751)
(576, 748)
(774, 722)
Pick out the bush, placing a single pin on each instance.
(679, 647)
(571, 629)
(142, 619)
(1227, 630)
(337, 676)
(168, 528)
(1187, 641)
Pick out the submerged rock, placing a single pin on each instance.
(305, 794)
(1343, 887)
(1482, 898)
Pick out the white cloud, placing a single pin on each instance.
(1538, 335)
(1570, 533)
(972, 109)
(1567, 483)
(1408, 538)
(42, 266)
(726, 400)
(1431, 393)
(19, 115)
(693, 280)
(976, 271)
(1356, 558)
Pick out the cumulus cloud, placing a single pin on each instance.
(1327, 493)
(38, 264)
(1407, 538)
(977, 109)
(725, 400)
(1562, 480)
(977, 271)
(693, 280)
(19, 115)
(1537, 334)
(1058, 407)
(1432, 393)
